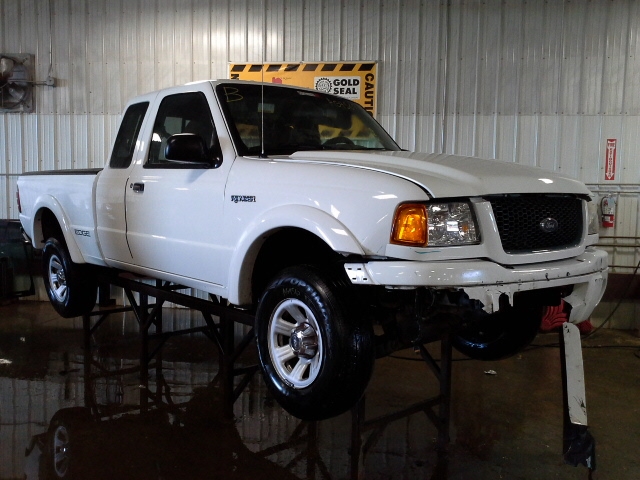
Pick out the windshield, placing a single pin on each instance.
(297, 120)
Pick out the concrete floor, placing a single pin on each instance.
(504, 425)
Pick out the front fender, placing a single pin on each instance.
(336, 235)
(47, 202)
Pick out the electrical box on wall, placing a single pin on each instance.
(16, 83)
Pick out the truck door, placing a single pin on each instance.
(111, 186)
(174, 209)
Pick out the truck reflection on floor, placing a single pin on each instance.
(138, 425)
(170, 417)
(189, 442)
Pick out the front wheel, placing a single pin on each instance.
(501, 334)
(71, 287)
(61, 454)
(315, 350)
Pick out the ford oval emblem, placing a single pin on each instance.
(549, 225)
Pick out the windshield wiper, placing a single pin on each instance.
(284, 149)
(290, 149)
(297, 148)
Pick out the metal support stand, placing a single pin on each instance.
(579, 445)
(220, 320)
(304, 435)
(441, 419)
(152, 338)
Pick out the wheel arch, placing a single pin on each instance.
(51, 221)
(283, 237)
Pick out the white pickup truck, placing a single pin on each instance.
(299, 206)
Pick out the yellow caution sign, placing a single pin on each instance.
(353, 80)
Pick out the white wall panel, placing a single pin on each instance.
(590, 146)
(505, 137)
(145, 44)
(80, 157)
(29, 159)
(15, 135)
(463, 129)
(64, 147)
(330, 20)
(630, 150)
(569, 133)
(293, 26)
(351, 28)
(4, 145)
(46, 139)
(274, 38)
(98, 140)
(526, 139)
(201, 40)
(389, 102)
(534, 82)
(5, 198)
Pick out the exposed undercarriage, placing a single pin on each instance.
(412, 317)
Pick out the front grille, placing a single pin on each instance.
(519, 219)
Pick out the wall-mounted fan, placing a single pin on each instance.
(16, 83)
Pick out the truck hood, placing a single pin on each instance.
(442, 175)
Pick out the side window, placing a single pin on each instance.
(125, 142)
(181, 113)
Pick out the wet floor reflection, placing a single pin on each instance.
(75, 419)
(162, 443)
(90, 414)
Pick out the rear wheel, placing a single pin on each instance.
(315, 349)
(71, 287)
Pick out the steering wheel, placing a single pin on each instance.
(339, 141)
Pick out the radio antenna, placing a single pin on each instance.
(262, 52)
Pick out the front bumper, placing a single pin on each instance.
(486, 281)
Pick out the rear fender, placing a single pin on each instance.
(315, 221)
(47, 202)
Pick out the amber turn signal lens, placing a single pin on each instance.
(410, 225)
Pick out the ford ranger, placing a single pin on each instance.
(298, 206)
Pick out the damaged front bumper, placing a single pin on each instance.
(487, 281)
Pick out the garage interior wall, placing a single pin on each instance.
(533, 82)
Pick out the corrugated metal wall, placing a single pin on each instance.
(534, 82)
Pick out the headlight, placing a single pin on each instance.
(434, 225)
(594, 226)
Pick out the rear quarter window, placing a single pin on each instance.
(125, 143)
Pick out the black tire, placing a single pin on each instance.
(62, 444)
(313, 383)
(71, 288)
(501, 334)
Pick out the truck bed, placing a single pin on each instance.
(79, 171)
(75, 190)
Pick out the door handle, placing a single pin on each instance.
(137, 187)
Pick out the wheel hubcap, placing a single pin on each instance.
(294, 344)
(304, 341)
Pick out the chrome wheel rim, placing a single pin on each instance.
(61, 451)
(58, 279)
(295, 344)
